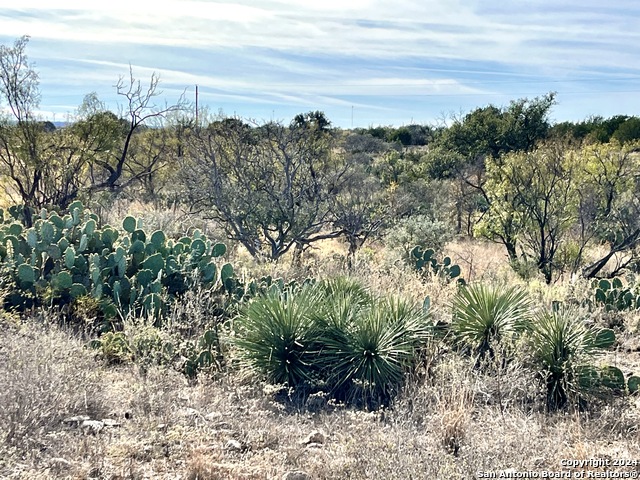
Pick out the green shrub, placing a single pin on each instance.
(420, 230)
(276, 332)
(371, 347)
(564, 348)
(484, 315)
(113, 347)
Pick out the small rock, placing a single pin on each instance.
(314, 437)
(539, 462)
(297, 475)
(92, 426)
(60, 463)
(108, 422)
(234, 446)
(162, 426)
(75, 421)
(189, 412)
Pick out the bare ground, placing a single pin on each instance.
(452, 423)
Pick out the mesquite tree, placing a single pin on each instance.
(270, 185)
(43, 166)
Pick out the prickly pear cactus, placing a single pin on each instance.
(425, 262)
(70, 255)
(614, 296)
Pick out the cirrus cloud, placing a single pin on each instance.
(363, 61)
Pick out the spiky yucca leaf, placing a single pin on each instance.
(483, 315)
(563, 345)
(276, 332)
(415, 321)
(375, 347)
(347, 288)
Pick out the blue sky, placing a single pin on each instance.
(362, 62)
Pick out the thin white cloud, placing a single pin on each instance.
(331, 52)
(366, 28)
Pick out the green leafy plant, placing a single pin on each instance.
(276, 332)
(425, 262)
(113, 347)
(483, 315)
(371, 347)
(564, 348)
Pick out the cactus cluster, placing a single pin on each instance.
(425, 262)
(609, 377)
(614, 295)
(205, 352)
(70, 256)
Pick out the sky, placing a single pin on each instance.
(362, 62)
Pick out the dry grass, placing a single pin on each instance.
(450, 421)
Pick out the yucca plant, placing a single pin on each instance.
(276, 332)
(415, 320)
(372, 348)
(347, 288)
(483, 315)
(564, 348)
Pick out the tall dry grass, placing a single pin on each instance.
(451, 419)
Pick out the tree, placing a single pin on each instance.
(359, 210)
(499, 222)
(269, 185)
(527, 122)
(533, 200)
(629, 131)
(596, 129)
(492, 131)
(20, 133)
(556, 198)
(461, 150)
(364, 144)
(603, 129)
(39, 164)
(44, 166)
(609, 214)
(477, 135)
(441, 163)
(140, 111)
